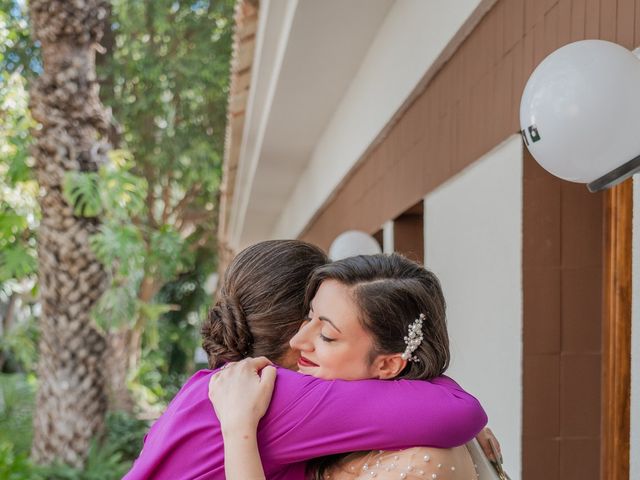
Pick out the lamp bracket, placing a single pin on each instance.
(615, 176)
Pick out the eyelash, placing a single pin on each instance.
(326, 339)
(322, 337)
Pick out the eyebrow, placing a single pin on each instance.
(325, 319)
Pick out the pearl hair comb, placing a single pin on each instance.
(414, 339)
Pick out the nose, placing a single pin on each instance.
(302, 340)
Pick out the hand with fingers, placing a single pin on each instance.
(241, 392)
(491, 448)
(490, 445)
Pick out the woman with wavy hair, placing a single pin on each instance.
(260, 307)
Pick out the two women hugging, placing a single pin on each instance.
(360, 345)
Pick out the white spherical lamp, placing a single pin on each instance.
(351, 243)
(580, 113)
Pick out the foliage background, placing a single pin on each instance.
(165, 76)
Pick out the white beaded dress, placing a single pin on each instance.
(418, 463)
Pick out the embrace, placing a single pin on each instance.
(360, 345)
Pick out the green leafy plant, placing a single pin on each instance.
(16, 406)
(19, 343)
(19, 211)
(16, 261)
(104, 462)
(82, 191)
(16, 466)
(19, 214)
(165, 76)
(109, 458)
(125, 433)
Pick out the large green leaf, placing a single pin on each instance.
(124, 193)
(17, 261)
(11, 224)
(120, 247)
(82, 192)
(167, 254)
(116, 308)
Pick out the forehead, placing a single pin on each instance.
(335, 301)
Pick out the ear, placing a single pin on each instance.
(387, 366)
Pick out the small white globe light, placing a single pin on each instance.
(580, 113)
(351, 243)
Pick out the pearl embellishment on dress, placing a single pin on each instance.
(383, 465)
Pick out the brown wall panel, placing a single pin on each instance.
(562, 308)
(636, 26)
(608, 20)
(578, 15)
(626, 22)
(408, 233)
(564, 22)
(592, 17)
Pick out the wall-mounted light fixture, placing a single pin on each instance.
(580, 113)
(351, 243)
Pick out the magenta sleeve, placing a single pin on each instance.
(309, 417)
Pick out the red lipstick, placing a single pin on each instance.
(305, 362)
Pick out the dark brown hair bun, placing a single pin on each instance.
(226, 334)
(261, 301)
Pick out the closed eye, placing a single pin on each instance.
(326, 339)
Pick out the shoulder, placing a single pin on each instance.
(194, 384)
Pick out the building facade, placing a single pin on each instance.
(401, 119)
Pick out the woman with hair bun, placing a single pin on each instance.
(260, 307)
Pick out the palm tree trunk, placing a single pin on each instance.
(71, 399)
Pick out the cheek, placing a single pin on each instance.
(341, 361)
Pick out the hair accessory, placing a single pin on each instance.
(414, 339)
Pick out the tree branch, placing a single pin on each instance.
(192, 219)
(181, 206)
(166, 193)
(150, 199)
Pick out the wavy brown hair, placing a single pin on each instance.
(261, 301)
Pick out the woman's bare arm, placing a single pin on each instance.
(240, 394)
(241, 455)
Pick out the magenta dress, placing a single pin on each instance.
(308, 418)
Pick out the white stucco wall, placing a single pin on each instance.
(387, 237)
(635, 335)
(473, 242)
(409, 42)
